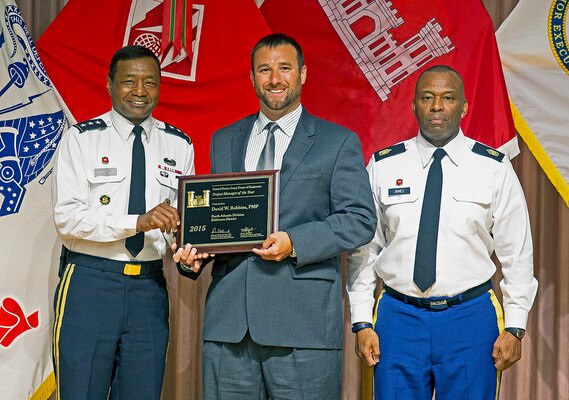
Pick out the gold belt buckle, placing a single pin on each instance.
(131, 269)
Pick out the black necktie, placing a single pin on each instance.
(137, 200)
(267, 158)
(424, 274)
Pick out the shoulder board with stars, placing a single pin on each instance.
(487, 151)
(91, 125)
(389, 151)
(171, 129)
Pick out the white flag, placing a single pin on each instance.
(31, 125)
(534, 49)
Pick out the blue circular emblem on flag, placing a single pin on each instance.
(557, 32)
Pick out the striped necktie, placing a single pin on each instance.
(267, 158)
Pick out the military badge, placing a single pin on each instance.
(105, 199)
(169, 161)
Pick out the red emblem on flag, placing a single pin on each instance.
(13, 321)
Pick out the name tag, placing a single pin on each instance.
(105, 172)
(399, 191)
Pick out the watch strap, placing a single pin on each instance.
(517, 332)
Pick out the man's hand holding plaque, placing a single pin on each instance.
(188, 257)
(276, 248)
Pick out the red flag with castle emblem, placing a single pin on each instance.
(201, 90)
(364, 57)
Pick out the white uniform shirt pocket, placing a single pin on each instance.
(168, 186)
(472, 208)
(401, 207)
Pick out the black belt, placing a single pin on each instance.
(440, 303)
(120, 267)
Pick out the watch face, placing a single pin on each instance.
(517, 332)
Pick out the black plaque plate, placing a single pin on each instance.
(227, 213)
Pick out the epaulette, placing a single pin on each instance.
(90, 125)
(389, 151)
(487, 151)
(171, 129)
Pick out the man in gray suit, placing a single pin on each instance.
(273, 318)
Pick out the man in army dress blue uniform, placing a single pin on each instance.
(114, 194)
(445, 204)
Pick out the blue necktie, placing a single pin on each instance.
(424, 274)
(137, 200)
(267, 158)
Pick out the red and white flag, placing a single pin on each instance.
(31, 124)
(201, 90)
(364, 57)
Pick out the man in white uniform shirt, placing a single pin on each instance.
(114, 194)
(438, 324)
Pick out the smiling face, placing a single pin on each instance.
(277, 79)
(135, 88)
(439, 105)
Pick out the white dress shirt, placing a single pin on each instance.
(91, 185)
(483, 210)
(283, 136)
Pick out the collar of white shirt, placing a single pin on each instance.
(454, 149)
(287, 123)
(124, 127)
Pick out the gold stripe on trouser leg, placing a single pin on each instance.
(500, 321)
(367, 372)
(59, 311)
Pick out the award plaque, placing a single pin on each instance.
(227, 213)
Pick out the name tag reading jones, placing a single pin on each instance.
(227, 213)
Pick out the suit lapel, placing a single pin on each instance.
(239, 144)
(300, 144)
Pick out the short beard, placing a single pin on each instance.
(290, 98)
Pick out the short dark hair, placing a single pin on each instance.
(131, 53)
(440, 68)
(277, 39)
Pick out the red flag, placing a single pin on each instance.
(200, 91)
(177, 26)
(364, 57)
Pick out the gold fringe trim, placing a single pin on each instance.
(541, 156)
(46, 389)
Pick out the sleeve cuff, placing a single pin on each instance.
(515, 317)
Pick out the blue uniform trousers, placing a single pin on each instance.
(110, 326)
(447, 352)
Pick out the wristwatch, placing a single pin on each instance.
(293, 254)
(517, 332)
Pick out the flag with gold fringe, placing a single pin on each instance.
(534, 50)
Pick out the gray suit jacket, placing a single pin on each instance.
(326, 207)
